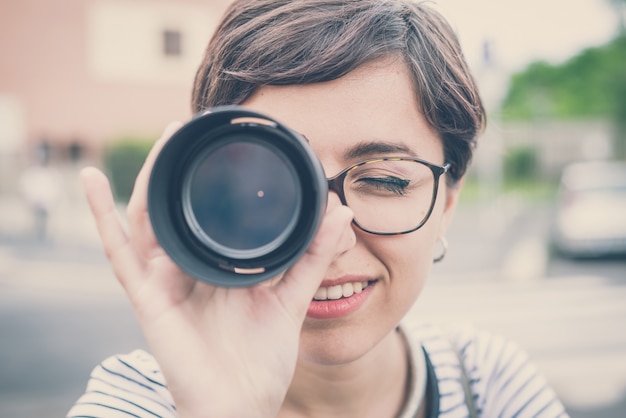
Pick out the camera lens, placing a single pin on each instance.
(242, 199)
(235, 197)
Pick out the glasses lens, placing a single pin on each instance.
(242, 197)
(390, 196)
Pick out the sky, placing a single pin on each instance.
(522, 31)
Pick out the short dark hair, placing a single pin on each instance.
(286, 42)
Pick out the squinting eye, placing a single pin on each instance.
(392, 184)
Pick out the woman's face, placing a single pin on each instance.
(371, 112)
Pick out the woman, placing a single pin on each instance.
(361, 79)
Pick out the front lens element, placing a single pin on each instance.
(242, 198)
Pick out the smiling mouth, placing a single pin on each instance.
(339, 291)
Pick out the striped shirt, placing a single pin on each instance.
(502, 381)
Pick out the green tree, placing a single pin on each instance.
(582, 87)
(122, 161)
(592, 84)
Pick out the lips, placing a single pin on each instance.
(341, 298)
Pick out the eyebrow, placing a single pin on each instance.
(374, 148)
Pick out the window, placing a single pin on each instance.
(172, 43)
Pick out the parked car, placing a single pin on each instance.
(590, 215)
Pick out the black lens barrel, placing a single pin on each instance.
(178, 180)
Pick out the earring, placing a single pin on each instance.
(444, 249)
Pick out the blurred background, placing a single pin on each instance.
(537, 251)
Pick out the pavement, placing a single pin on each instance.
(69, 253)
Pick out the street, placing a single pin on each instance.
(62, 312)
(573, 329)
(569, 315)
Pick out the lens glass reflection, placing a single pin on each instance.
(243, 196)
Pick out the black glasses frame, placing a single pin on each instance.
(336, 184)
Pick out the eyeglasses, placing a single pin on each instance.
(389, 196)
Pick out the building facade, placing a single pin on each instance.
(76, 74)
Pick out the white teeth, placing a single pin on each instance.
(347, 290)
(335, 292)
(358, 287)
(341, 290)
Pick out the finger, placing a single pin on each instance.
(124, 260)
(297, 287)
(141, 232)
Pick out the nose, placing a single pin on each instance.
(348, 239)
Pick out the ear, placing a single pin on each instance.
(451, 200)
